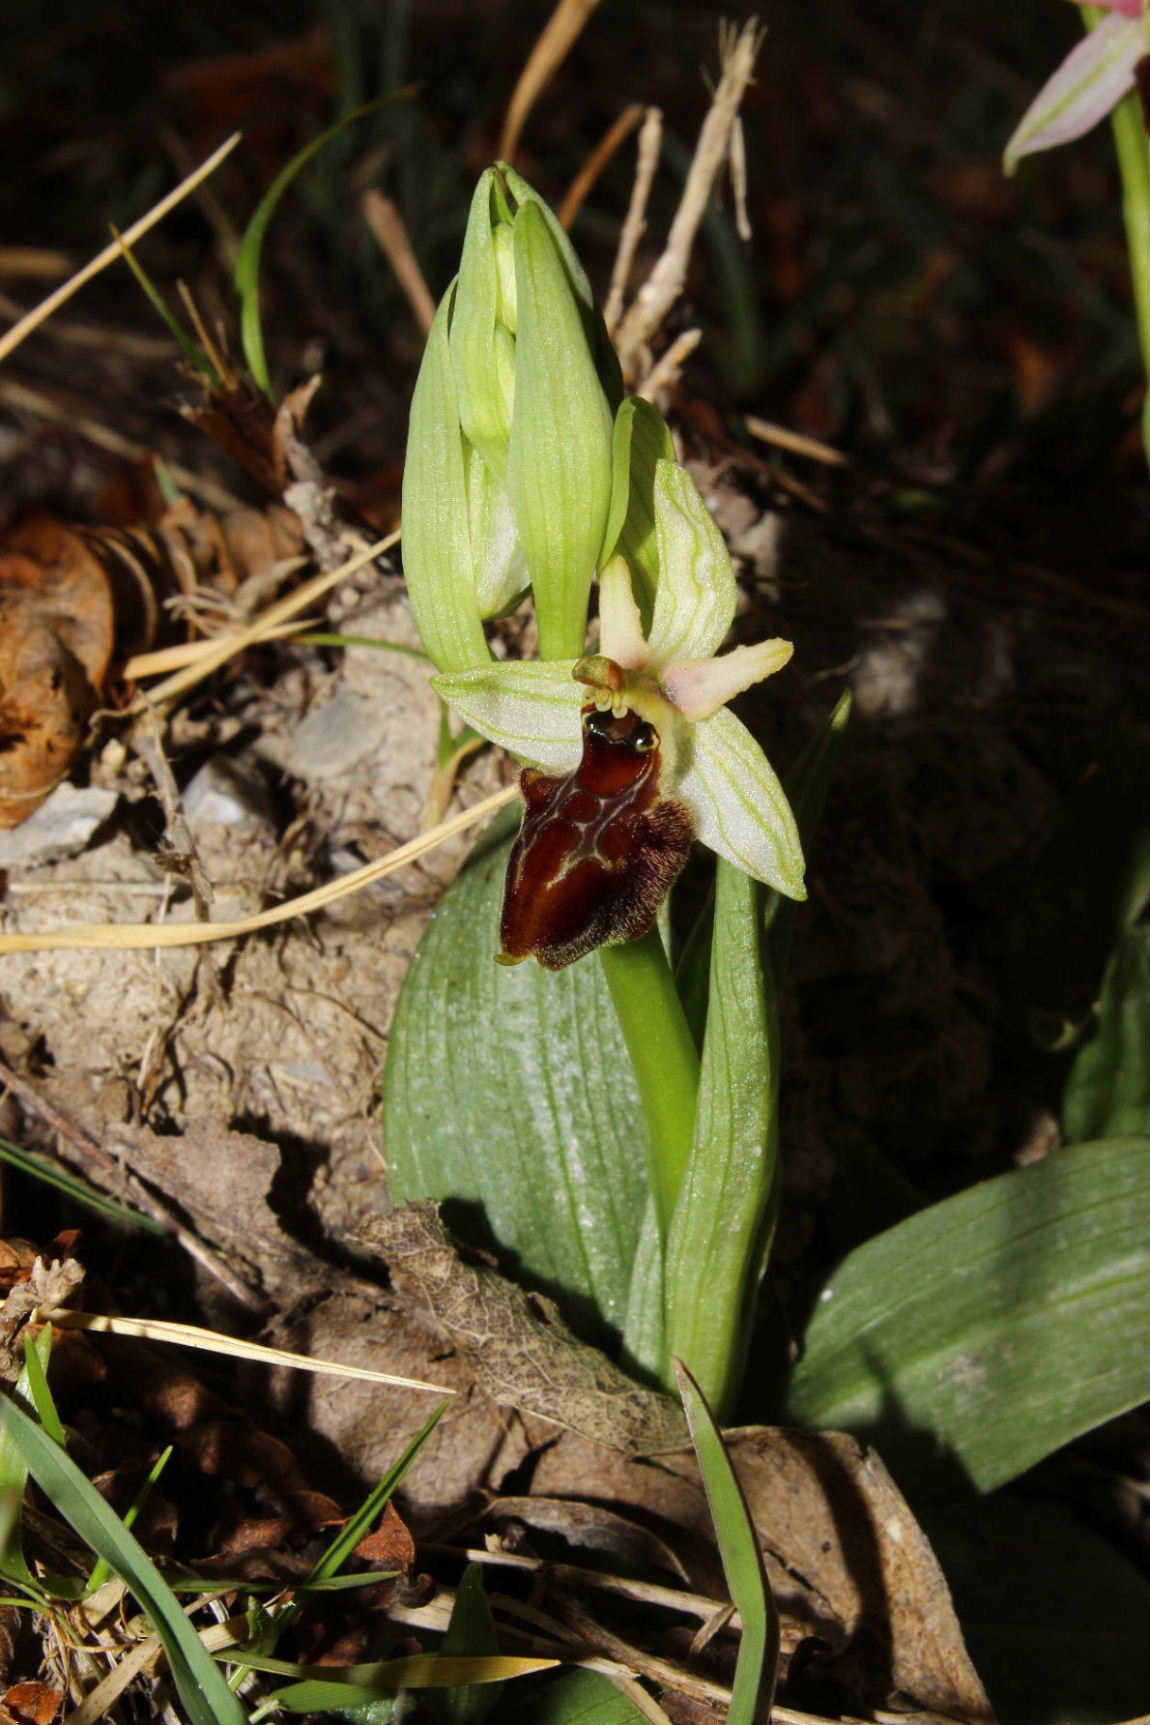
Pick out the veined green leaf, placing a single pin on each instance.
(758, 1663)
(716, 1247)
(510, 1092)
(1108, 1090)
(994, 1327)
(198, 1679)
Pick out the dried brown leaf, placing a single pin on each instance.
(519, 1350)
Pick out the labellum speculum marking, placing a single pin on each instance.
(598, 849)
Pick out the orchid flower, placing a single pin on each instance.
(1092, 79)
(671, 680)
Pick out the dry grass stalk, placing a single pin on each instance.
(665, 283)
(38, 315)
(794, 441)
(611, 142)
(635, 225)
(559, 36)
(390, 233)
(137, 937)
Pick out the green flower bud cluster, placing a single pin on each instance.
(508, 478)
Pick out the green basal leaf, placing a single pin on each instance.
(758, 1664)
(360, 1524)
(510, 1092)
(717, 1241)
(206, 1698)
(14, 1467)
(1108, 1090)
(641, 440)
(577, 1698)
(992, 1328)
(559, 458)
(436, 536)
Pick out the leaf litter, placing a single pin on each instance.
(241, 1086)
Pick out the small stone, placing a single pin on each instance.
(61, 827)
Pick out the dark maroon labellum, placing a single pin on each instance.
(597, 850)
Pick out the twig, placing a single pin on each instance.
(13, 337)
(665, 283)
(137, 937)
(665, 374)
(768, 432)
(650, 143)
(120, 1178)
(611, 141)
(559, 36)
(387, 225)
(287, 608)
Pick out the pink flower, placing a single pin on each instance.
(1094, 76)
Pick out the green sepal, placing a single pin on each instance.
(559, 460)
(482, 349)
(641, 440)
(437, 555)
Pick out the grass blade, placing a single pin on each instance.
(198, 1679)
(247, 275)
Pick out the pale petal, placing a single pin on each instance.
(1094, 76)
(740, 808)
(699, 687)
(530, 708)
(620, 626)
(695, 598)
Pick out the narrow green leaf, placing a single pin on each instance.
(198, 1679)
(75, 1188)
(725, 1214)
(247, 271)
(994, 1327)
(412, 1671)
(1108, 1090)
(509, 1092)
(14, 1467)
(758, 1664)
(806, 786)
(102, 1569)
(373, 1506)
(192, 351)
(36, 1358)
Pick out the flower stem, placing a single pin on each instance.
(664, 1056)
(1134, 165)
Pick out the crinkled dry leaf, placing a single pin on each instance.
(519, 1349)
(56, 638)
(849, 1563)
